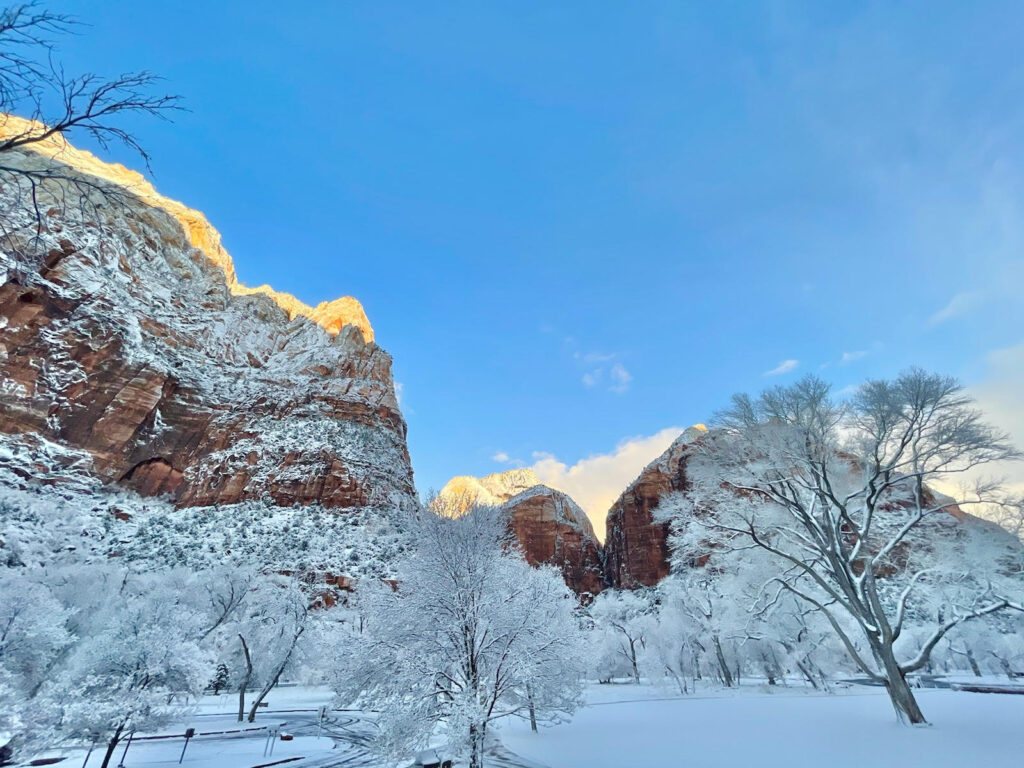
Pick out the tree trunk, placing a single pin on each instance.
(242, 686)
(680, 680)
(632, 659)
(111, 745)
(277, 676)
(973, 662)
(904, 702)
(900, 693)
(88, 754)
(533, 709)
(476, 748)
(807, 673)
(1004, 664)
(726, 674)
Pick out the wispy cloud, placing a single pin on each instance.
(620, 378)
(589, 358)
(501, 457)
(959, 305)
(402, 402)
(849, 357)
(784, 367)
(602, 370)
(596, 481)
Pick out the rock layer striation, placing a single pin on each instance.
(548, 525)
(124, 334)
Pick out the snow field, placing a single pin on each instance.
(788, 729)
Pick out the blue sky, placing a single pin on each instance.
(573, 224)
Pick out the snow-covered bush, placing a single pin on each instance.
(470, 634)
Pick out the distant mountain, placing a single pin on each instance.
(636, 550)
(549, 526)
(465, 492)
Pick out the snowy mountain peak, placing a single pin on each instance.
(465, 491)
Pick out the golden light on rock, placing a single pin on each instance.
(332, 316)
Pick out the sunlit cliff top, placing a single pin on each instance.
(332, 315)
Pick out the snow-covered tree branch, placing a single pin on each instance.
(843, 499)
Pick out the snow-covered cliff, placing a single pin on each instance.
(134, 366)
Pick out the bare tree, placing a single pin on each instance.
(35, 86)
(623, 612)
(839, 495)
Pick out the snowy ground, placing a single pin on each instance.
(641, 727)
(291, 710)
(630, 726)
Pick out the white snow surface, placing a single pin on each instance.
(642, 727)
(625, 725)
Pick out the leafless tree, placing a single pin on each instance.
(838, 494)
(35, 86)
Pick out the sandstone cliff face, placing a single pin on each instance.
(125, 337)
(636, 551)
(551, 528)
(636, 547)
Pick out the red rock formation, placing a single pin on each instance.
(636, 547)
(551, 528)
(636, 550)
(124, 333)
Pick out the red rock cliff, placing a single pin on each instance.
(124, 333)
(636, 547)
(551, 528)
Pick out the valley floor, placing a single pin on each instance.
(636, 726)
(786, 727)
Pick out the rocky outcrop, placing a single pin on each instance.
(125, 335)
(551, 528)
(636, 550)
(548, 525)
(636, 546)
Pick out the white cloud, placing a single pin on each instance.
(849, 357)
(784, 367)
(999, 397)
(597, 481)
(620, 378)
(606, 374)
(501, 457)
(403, 404)
(959, 305)
(593, 357)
